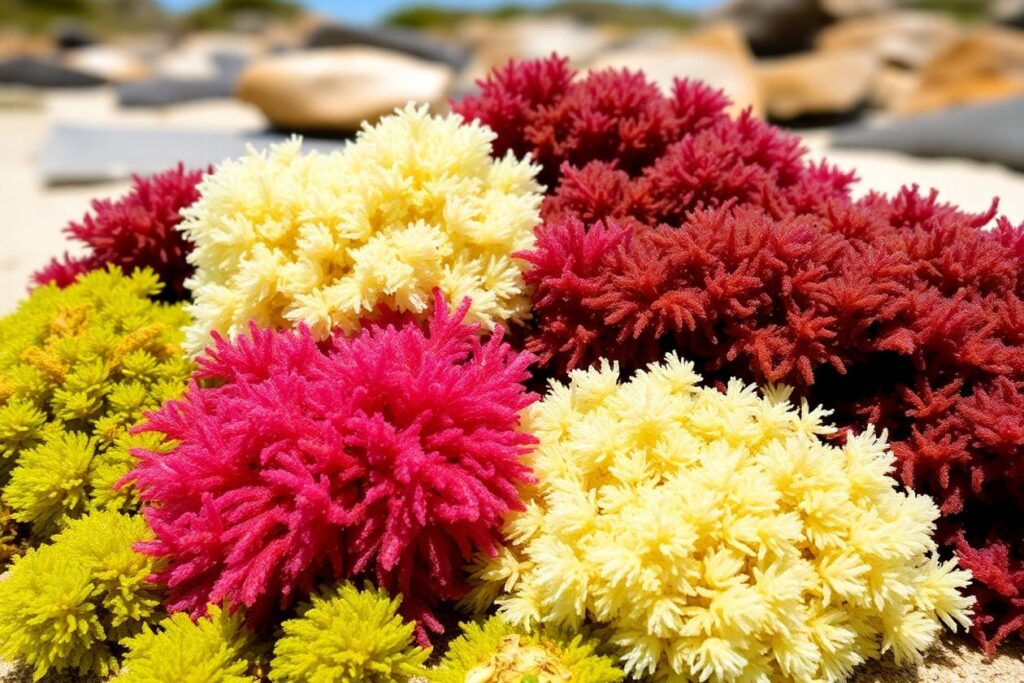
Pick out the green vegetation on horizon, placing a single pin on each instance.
(604, 12)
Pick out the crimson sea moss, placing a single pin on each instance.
(670, 226)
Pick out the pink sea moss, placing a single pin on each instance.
(392, 454)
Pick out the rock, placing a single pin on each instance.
(717, 55)
(843, 9)
(336, 89)
(908, 38)
(817, 83)
(17, 44)
(75, 153)
(492, 43)
(1010, 12)
(397, 40)
(162, 91)
(109, 63)
(70, 35)
(984, 65)
(893, 84)
(45, 73)
(989, 132)
(954, 659)
(776, 27)
(201, 55)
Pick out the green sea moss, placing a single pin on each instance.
(213, 649)
(78, 367)
(347, 635)
(64, 605)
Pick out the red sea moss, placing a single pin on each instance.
(138, 230)
(611, 145)
(719, 241)
(394, 455)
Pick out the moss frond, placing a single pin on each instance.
(214, 649)
(347, 635)
(78, 367)
(64, 605)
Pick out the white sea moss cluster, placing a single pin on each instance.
(715, 536)
(415, 203)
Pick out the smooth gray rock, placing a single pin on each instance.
(87, 154)
(164, 90)
(394, 39)
(985, 133)
(44, 73)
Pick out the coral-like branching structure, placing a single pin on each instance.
(713, 237)
(395, 454)
(138, 230)
(717, 536)
(216, 648)
(497, 652)
(414, 204)
(611, 145)
(78, 366)
(347, 635)
(63, 606)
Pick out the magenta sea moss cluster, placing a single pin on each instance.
(395, 454)
(780, 436)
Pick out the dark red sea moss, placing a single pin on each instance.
(135, 231)
(714, 237)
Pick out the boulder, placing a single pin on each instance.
(109, 63)
(842, 9)
(984, 65)
(776, 27)
(44, 73)
(1010, 12)
(17, 44)
(817, 83)
(717, 55)
(336, 89)
(909, 38)
(988, 132)
(492, 43)
(388, 38)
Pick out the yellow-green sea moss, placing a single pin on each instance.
(78, 367)
(64, 605)
(214, 649)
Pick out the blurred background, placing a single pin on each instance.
(92, 91)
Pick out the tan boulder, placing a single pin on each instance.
(817, 83)
(985, 65)
(337, 89)
(110, 63)
(908, 38)
(492, 43)
(17, 44)
(717, 55)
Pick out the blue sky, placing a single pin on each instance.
(369, 11)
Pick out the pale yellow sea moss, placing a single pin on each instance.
(716, 536)
(415, 203)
